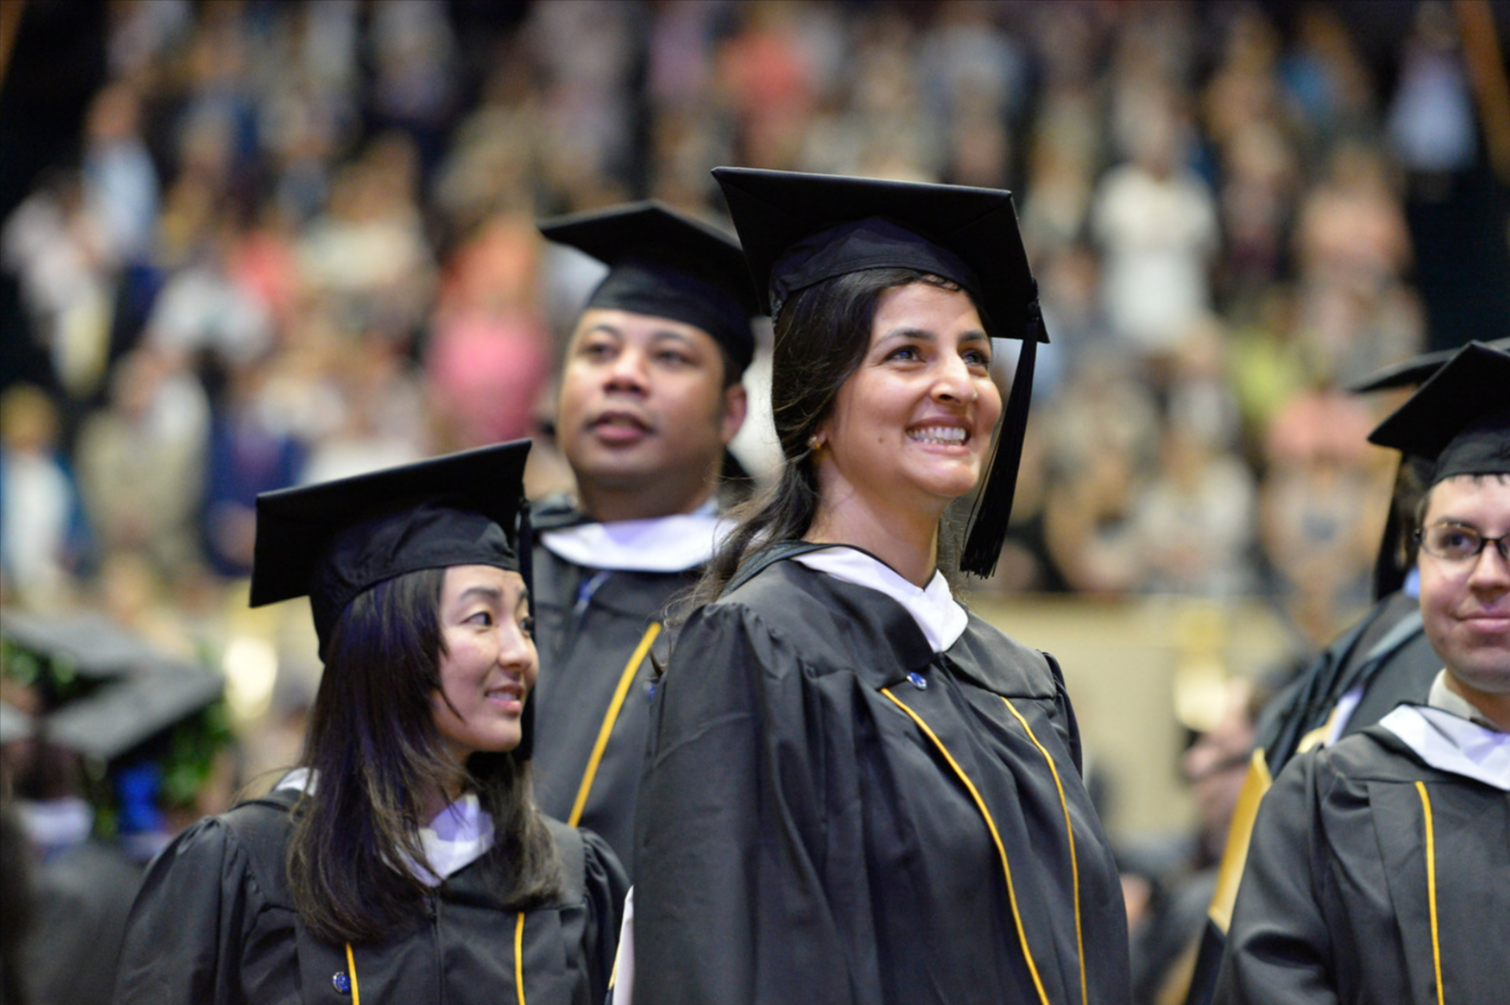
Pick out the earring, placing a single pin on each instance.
(814, 443)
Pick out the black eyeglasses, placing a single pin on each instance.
(1453, 542)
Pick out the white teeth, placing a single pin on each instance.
(939, 434)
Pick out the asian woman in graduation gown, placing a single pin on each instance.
(856, 790)
(405, 862)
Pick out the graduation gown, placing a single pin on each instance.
(832, 812)
(215, 923)
(1336, 903)
(83, 896)
(595, 629)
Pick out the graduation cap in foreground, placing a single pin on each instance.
(334, 540)
(801, 229)
(1459, 419)
(1414, 371)
(666, 265)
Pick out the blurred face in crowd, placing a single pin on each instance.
(911, 427)
(644, 415)
(489, 663)
(1465, 602)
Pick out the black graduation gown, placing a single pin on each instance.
(584, 651)
(1334, 904)
(807, 831)
(215, 923)
(84, 896)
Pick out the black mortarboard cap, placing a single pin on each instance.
(801, 229)
(1392, 565)
(667, 265)
(131, 691)
(334, 540)
(124, 714)
(1459, 418)
(1414, 371)
(90, 643)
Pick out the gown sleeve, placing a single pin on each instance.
(1064, 720)
(729, 906)
(184, 936)
(605, 885)
(1279, 951)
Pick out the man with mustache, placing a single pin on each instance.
(1379, 868)
(650, 398)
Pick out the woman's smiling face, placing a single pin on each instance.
(912, 425)
(489, 663)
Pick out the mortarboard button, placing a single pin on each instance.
(341, 982)
(918, 680)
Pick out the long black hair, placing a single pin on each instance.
(374, 751)
(822, 334)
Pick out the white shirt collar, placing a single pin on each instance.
(660, 544)
(1452, 744)
(937, 613)
(459, 835)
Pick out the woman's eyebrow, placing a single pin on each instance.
(915, 334)
(924, 335)
(492, 593)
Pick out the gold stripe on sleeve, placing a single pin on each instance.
(1431, 886)
(1070, 829)
(606, 730)
(980, 804)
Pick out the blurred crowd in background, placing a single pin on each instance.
(246, 245)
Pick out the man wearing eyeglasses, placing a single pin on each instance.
(1379, 868)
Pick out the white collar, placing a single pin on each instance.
(660, 544)
(937, 613)
(56, 824)
(459, 835)
(1449, 743)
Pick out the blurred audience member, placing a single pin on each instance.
(42, 531)
(1156, 223)
(63, 259)
(141, 460)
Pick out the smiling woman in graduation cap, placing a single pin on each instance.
(405, 861)
(857, 791)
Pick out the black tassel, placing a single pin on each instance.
(1389, 576)
(993, 507)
